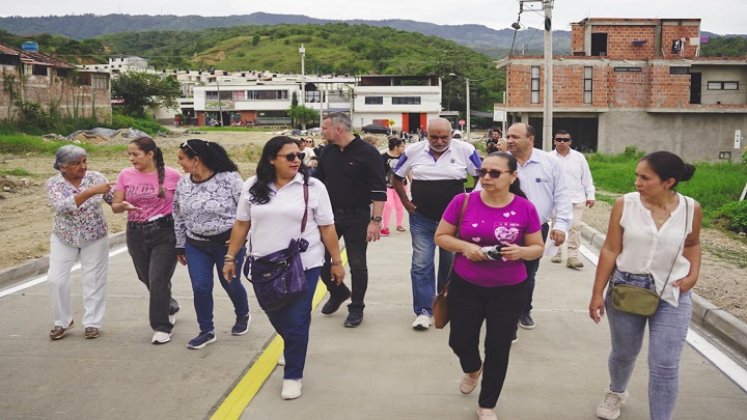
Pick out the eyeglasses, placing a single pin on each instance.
(562, 139)
(290, 157)
(186, 144)
(308, 141)
(494, 173)
(81, 162)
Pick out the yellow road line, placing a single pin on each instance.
(243, 393)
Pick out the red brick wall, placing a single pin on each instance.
(577, 39)
(519, 77)
(568, 85)
(671, 33)
(668, 91)
(628, 89)
(620, 41)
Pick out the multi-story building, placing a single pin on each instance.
(636, 82)
(56, 86)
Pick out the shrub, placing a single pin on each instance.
(733, 216)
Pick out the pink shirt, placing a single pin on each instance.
(485, 226)
(141, 190)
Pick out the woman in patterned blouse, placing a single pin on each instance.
(204, 211)
(79, 231)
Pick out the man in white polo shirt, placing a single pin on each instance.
(544, 182)
(439, 168)
(581, 186)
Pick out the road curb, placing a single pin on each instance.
(40, 266)
(714, 320)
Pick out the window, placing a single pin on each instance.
(313, 96)
(267, 95)
(588, 84)
(723, 85)
(374, 100)
(99, 81)
(679, 70)
(627, 69)
(38, 70)
(599, 44)
(535, 84)
(406, 100)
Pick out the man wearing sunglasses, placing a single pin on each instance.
(544, 181)
(439, 168)
(581, 187)
(351, 170)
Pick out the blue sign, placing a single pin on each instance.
(30, 46)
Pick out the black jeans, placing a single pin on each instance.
(469, 305)
(152, 248)
(532, 266)
(351, 225)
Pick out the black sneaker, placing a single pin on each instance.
(526, 322)
(354, 319)
(201, 340)
(241, 326)
(334, 302)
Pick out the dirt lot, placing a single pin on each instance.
(25, 216)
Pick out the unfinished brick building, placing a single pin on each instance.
(35, 77)
(636, 82)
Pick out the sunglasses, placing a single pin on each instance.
(290, 157)
(494, 173)
(561, 139)
(186, 145)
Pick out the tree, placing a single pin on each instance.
(140, 91)
(302, 115)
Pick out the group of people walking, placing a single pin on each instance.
(489, 241)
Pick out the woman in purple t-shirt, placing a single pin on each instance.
(499, 229)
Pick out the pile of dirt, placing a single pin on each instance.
(101, 135)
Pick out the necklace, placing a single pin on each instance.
(660, 220)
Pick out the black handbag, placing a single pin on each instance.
(278, 278)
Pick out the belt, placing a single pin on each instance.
(350, 210)
(166, 221)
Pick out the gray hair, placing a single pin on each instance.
(68, 154)
(340, 119)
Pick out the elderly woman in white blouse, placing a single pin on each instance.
(79, 231)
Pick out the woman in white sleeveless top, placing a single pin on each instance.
(653, 241)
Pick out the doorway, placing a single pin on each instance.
(695, 87)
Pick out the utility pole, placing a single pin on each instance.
(547, 118)
(469, 125)
(302, 51)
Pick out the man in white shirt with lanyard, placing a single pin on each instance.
(544, 181)
(439, 168)
(581, 186)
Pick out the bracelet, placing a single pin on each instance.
(337, 263)
(230, 258)
(228, 262)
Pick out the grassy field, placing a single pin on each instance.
(23, 144)
(714, 185)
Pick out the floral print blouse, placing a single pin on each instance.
(73, 225)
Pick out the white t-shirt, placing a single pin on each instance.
(276, 222)
(648, 251)
(580, 183)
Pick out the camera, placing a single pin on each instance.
(303, 245)
(492, 252)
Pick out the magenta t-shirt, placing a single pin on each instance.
(485, 226)
(141, 190)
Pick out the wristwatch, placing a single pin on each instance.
(376, 219)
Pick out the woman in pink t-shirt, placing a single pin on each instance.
(499, 228)
(146, 193)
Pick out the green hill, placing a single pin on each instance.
(331, 48)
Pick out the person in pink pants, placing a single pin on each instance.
(390, 158)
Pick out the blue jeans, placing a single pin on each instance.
(667, 332)
(200, 262)
(422, 272)
(292, 323)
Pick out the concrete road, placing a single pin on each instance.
(383, 369)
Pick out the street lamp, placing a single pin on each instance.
(302, 51)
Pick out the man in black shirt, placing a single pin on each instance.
(352, 171)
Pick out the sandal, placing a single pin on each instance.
(401, 229)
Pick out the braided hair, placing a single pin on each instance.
(147, 144)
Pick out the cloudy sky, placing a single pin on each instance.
(719, 16)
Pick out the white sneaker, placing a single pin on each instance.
(172, 320)
(281, 359)
(161, 337)
(422, 322)
(609, 408)
(291, 389)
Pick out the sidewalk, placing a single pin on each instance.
(386, 370)
(381, 370)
